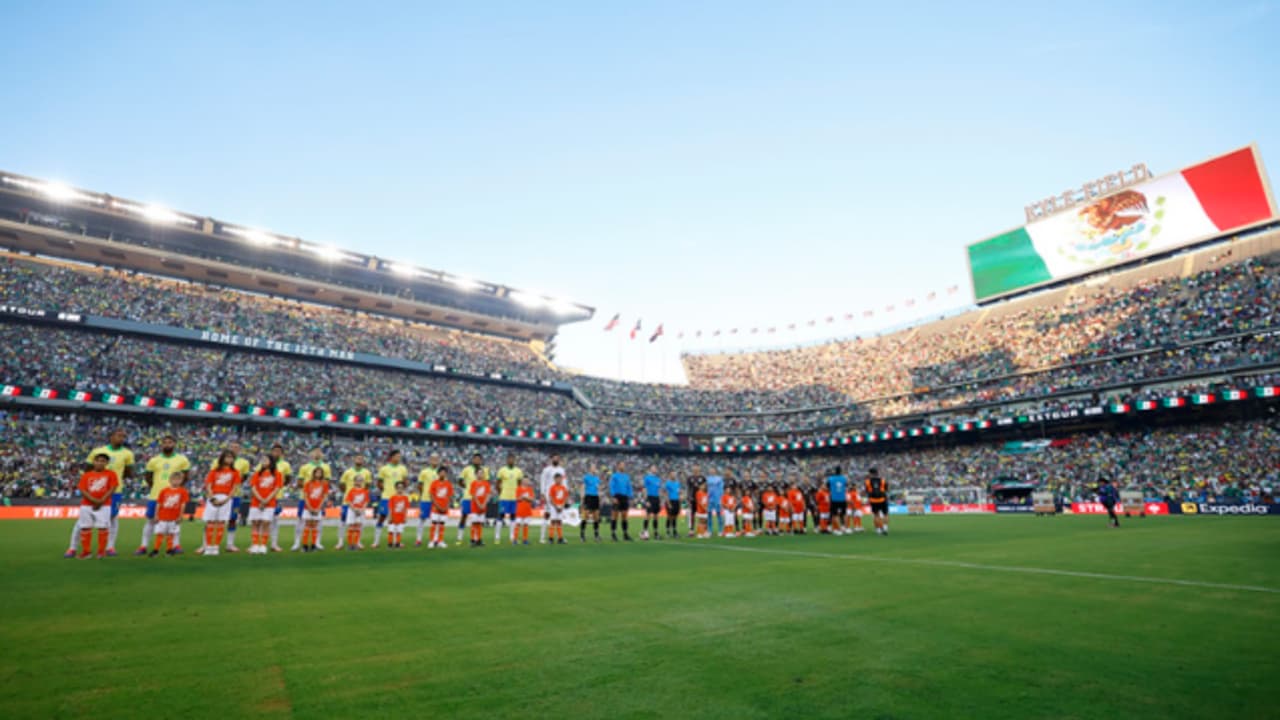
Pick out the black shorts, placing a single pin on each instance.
(880, 508)
(839, 508)
(621, 503)
(673, 508)
(591, 503)
(652, 505)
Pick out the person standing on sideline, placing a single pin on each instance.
(878, 497)
(120, 462)
(715, 506)
(509, 477)
(545, 480)
(158, 471)
(1108, 496)
(391, 473)
(306, 474)
(471, 473)
(425, 478)
(590, 505)
(620, 489)
(358, 471)
(672, 489)
(652, 504)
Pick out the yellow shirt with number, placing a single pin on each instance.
(390, 475)
(162, 467)
(426, 477)
(509, 477)
(120, 458)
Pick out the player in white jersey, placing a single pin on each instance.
(545, 481)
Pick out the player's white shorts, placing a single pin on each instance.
(355, 518)
(770, 515)
(824, 516)
(437, 517)
(554, 514)
(217, 513)
(700, 516)
(313, 515)
(857, 512)
(476, 519)
(90, 518)
(167, 527)
(797, 517)
(261, 514)
(397, 528)
(730, 518)
(522, 521)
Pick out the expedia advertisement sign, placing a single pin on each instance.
(1224, 508)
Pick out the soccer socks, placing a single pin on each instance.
(377, 535)
(582, 530)
(86, 542)
(275, 530)
(462, 527)
(542, 530)
(422, 526)
(112, 532)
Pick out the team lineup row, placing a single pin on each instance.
(737, 508)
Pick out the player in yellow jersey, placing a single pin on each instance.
(475, 471)
(286, 473)
(425, 478)
(305, 474)
(392, 472)
(509, 477)
(158, 471)
(357, 471)
(120, 461)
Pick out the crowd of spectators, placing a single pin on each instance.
(41, 454)
(1052, 348)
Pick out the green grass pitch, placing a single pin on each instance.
(950, 617)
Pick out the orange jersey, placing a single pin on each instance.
(441, 492)
(314, 494)
(170, 502)
(96, 486)
(784, 505)
(480, 491)
(729, 503)
(559, 495)
(770, 500)
(398, 509)
(357, 498)
(823, 499)
(265, 484)
(524, 502)
(852, 499)
(222, 482)
(796, 498)
(748, 505)
(700, 500)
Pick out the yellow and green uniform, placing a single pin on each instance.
(305, 472)
(469, 475)
(119, 459)
(162, 467)
(390, 475)
(427, 476)
(349, 476)
(509, 478)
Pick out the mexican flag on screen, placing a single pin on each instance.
(1197, 203)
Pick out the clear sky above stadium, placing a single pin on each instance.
(700, 165)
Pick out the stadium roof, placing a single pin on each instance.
(54, 219)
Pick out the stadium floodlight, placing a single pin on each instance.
(561, 306)
(55, 191)
(158, 214)
(464, 283)
(328, 253)
(404, 269)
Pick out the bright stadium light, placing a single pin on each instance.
(327, 253)
(404, 269)
(560, 306)
(158, 214)
(59, 192)
(464, 283)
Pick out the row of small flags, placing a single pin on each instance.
(145, 401)
(790, 327)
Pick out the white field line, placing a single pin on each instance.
(991, 568)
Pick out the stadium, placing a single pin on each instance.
(1056, 499)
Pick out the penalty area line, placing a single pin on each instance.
(994, 568)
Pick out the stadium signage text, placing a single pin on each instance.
(1229, 509)
(275, 345)
(20, 311)
(1088, 191)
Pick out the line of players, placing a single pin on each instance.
(741, 509)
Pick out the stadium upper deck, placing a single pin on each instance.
(53, 219)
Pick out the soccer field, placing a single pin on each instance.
(955, 617)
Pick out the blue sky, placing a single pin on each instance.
(702, 165)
